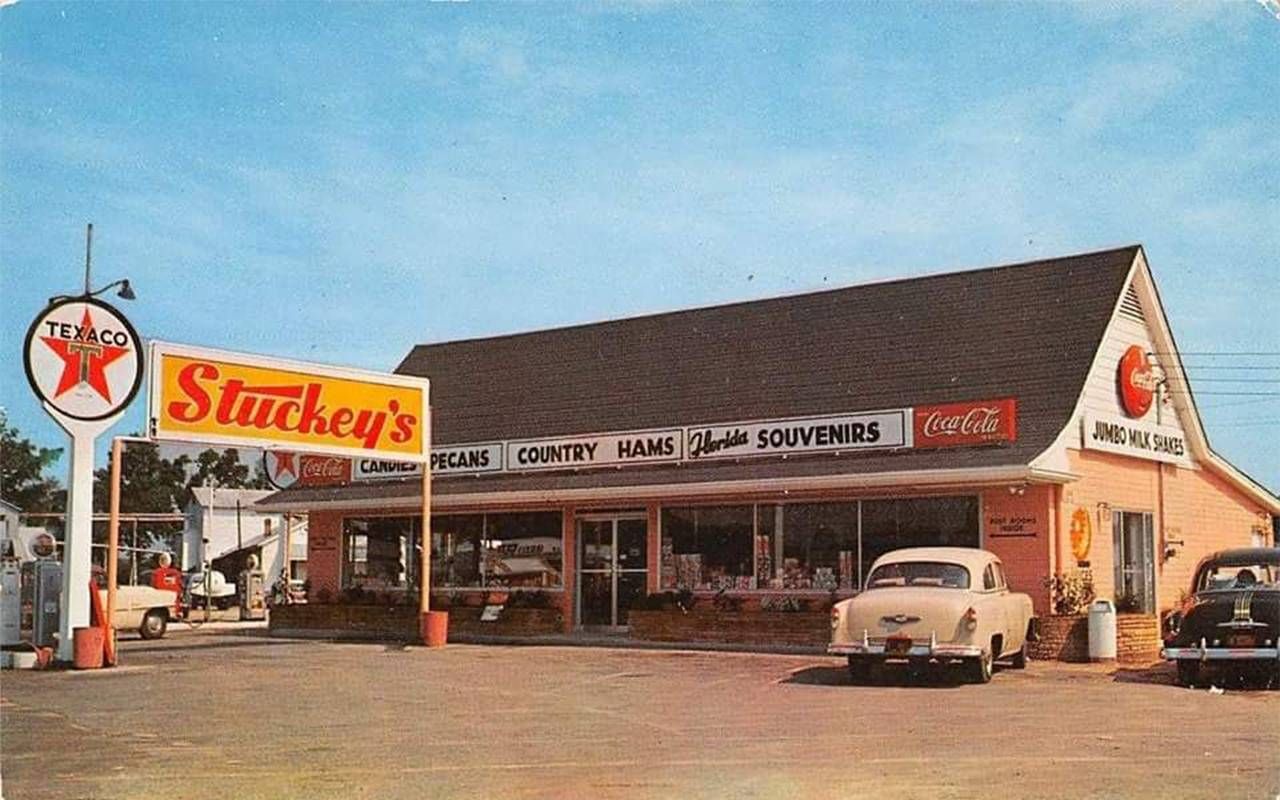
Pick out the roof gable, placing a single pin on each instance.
(1027, 330)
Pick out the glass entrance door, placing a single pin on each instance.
(612, 567)
(1135, 561)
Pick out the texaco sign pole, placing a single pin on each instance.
(84, 361)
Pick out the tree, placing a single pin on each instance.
(148, 483)
(226, 471)
(22, 466)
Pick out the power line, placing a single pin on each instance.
(1231, 394)
(1218, 354)
(1235, 380)
(1231, 367)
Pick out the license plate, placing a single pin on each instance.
(896, 644)
(1241, 640)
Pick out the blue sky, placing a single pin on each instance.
(338, 182)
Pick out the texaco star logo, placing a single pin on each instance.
(83, 359)
(281, 467)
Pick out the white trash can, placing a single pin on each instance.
(1102, 631)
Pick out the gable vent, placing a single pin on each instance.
(1130, 306)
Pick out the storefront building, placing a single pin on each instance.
(759, 456)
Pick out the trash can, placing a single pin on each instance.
(1102, 631)
(435, 628)
(88, 648)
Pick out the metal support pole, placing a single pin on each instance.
(76, 568)
(424, 581)
(113, 547)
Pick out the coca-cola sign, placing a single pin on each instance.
(1135, 382)
(323, 470)
(953, 424)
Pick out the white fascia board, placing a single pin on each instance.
(908, 479)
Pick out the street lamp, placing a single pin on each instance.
(126, 290)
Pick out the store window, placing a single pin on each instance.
(917, 522)
(379, 553)
(820, 546)
(523, 550)
(803, 546)
(455, 550)
(470, 551)
(709, 547)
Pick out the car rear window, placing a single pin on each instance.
(1216, 577)
(919, 573)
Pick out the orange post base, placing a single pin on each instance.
(88, 648)
(435, 628)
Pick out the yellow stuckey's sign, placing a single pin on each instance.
(211, 396)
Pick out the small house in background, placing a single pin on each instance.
(8, 520)
(224, 527)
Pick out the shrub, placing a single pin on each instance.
(1071, 593)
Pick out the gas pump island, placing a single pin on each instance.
(84, 361)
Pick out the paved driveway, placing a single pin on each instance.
(213, 714)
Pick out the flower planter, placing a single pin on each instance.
(1066, 638)
(710, 625)
(403, 623)
(1062, 638)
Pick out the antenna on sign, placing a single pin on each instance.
(88, 250)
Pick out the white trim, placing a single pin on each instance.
(907, 479)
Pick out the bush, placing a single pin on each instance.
(1071, 593)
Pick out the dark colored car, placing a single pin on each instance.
(1232, 617)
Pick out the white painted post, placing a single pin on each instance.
(77, 546)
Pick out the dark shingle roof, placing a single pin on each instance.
(1028, 331)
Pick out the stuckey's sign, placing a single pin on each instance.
(238, 399)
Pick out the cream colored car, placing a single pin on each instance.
(143, 609)
(933, 604)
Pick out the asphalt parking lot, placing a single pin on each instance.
(234, 714)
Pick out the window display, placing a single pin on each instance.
(708, 547)
(380, 553)
(816, 547)
(497, 550)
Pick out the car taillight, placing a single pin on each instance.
(971, 618)
(835, 618)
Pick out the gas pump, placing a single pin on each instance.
(10, 597)
(253, 591)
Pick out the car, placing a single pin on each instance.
(144, 609)
(222, 591)
(933, 605)
(1230, 618)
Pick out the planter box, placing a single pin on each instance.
(1137, 638)
(465, 621)
(400, 623)
(1067, 639)
(1062, 639)
(358, 622)
(789, 628)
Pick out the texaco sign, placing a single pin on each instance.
(83, 359)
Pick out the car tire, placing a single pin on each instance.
(859, 670)
(1021, 657)
(1188, 673)
(154, 625)
(980, 668)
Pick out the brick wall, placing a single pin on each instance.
(1194, 505)
(1018, 529)
(324, 552)
(710, 625)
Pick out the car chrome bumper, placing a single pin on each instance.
(1203, 653)
(931, 650)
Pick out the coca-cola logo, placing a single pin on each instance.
(1136, 382)
(324, 469)
(980, 421)
(966, 423)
